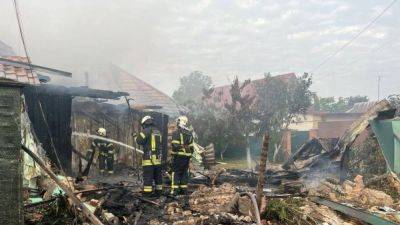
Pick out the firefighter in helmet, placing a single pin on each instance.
(151, 141)
(182, 149)
(106, 152)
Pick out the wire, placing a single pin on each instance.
(371, 51)
(17, 13)
(327, 59)
(19, 20)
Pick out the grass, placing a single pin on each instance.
(234, 164)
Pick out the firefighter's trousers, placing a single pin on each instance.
(106, 162)
(180, 173)
(152, 174)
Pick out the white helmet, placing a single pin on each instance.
(102, 131)
(146, 119)
(182, 122)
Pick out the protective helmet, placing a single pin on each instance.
(182, 122)
(102, 131)
(147, 120)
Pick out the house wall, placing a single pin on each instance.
(305, 122)
(57, 111)
(333, 117)
(11, 208)
(322, 125)
(120, 126)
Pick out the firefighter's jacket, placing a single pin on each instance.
(182, 143)
(105, 148)
(150, 139)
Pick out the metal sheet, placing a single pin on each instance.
(350, 211)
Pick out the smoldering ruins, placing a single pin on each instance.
(112, 149)
(350, 179)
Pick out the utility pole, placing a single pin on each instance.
(379, 86)
(86, 79)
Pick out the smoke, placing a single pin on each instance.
(160, 40)
(79, 36)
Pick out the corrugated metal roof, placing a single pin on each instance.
(18, 74)
(143, 93)
(361, 107)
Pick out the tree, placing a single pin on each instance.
(192, 87)
(240, 113)
(279, 102)
(395, 102)
(329, 104)
(209, 122)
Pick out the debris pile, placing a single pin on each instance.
(307, 189)
(211, 200)
(352, 191)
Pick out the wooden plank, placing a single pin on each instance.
(85, 210)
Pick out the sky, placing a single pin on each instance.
(160, 41)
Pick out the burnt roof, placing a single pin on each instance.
(79, 91)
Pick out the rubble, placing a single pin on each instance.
(220, 196)
(210, 200)
(352, 192)
(325, 215)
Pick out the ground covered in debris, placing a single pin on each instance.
(322, 183)
(122, 203)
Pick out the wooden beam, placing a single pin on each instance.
(85, 210)
(261, 173)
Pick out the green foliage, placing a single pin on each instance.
(395, 102)
(286, 211)
(279, 102)
(192, 88)
(211, 124)
(240, 110)
(329, 104)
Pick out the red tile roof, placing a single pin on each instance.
(222, 96)
(18, 74)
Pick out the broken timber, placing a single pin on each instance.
(356, 128)
(261, 174)
(86, 212)
(350, 211)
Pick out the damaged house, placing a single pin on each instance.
(121, 117)
(26, 98)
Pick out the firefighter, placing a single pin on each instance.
(150, 139)
(182, 149)
(106, 152)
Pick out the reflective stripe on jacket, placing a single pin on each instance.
(182, 143)
(150, 139)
